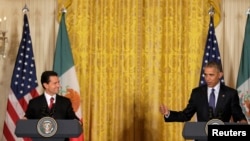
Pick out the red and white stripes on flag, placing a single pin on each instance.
(23, 85)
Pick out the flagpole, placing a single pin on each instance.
(211, 51)
(65, 68)
(243, 78)
(21, 90)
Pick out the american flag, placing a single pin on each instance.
(23, 84)
(211, 52)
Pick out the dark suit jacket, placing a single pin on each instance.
(38, 108)
(227, 106)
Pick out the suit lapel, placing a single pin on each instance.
(204, 96)
(220, 102)
(205, 103)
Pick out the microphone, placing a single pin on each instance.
(220, 114)
(210, 112)
(48, 112)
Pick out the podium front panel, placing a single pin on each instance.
(195, 130)
(66, 129)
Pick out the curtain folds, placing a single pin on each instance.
(131, 56)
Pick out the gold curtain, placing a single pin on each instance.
(131, 56)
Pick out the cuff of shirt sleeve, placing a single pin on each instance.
(167, 115)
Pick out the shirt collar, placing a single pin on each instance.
(216, 88)
(47, 96)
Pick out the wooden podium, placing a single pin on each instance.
(64, 129)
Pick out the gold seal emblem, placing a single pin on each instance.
(213, 122)
(47, 126)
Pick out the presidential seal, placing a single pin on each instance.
(213, 122)
(47, 127)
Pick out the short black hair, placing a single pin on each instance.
(214, 64)
(46, 75)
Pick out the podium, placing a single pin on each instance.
(65, 129)
(195, 130)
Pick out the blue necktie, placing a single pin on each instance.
(212, 99)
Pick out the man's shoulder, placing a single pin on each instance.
(39, 97)
(61, 97)
(222, 86)
(227, 88)
(202, 87)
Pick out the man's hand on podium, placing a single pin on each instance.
(80, 122)
(24, 118)
(243, 121)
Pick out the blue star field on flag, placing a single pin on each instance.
(211, 52)
(24, 73)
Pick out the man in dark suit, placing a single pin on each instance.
(226, 101)
(58, 108)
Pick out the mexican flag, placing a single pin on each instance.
(243, 81)
(64, 66)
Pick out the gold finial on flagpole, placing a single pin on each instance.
(211, 11)
(248, 11)
(25, 8)
(63, 10)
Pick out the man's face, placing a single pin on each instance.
(212, 76)
(53, 86)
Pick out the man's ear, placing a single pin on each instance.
(45, 85)
(221, 74)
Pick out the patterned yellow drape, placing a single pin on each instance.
(131, 56)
